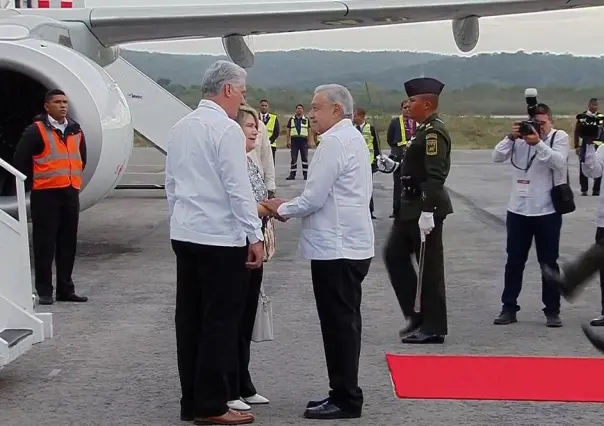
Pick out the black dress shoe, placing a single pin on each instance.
(71, 298)
(594, 339)
(505, 318)
(413, 324)
(316, 403)
(424, 339)
(187, 417)
(329, 411)
(45, 300)
(597, 322)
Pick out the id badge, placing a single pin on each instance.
(522, 187)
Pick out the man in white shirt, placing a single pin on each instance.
(262, 156)
(212, 214)
(539, 160)
(576, 275)
(337, 237)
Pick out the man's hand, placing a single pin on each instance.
(255, 255)
(578, 151)
(515, 133)
(385, 164)
(271, 194)
(533, 139)
(426, 223)
(288, 144)
(273, 204)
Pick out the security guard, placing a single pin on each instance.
(401, 130)
(368, 132)
(298, 141)
(424, 205)
(52, 152)
(580, 146)
(271, 121)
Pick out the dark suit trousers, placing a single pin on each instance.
(240, 381)
(338, 292)
(404, 241)
(520, 233)
(397, 190)
(55, 215)
(209, 305)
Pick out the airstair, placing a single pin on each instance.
(20, 326)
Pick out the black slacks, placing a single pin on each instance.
(240, 381)
(299, 146)
(209, 305)
(55, 215)
(338, 292)
(397, 190)
(404, 241)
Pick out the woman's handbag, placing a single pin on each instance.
(269, 239)
(263, 323)
(563, 198)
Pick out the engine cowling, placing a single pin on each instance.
(28, 68)
(466, 33)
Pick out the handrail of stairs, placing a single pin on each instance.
(22, 213)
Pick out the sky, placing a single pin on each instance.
(574, 32)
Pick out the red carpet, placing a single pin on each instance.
(497, 378)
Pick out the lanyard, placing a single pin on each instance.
(529, 159)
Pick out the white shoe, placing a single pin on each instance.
(256, 399)
(238, 405)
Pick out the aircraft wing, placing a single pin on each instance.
(119, 25)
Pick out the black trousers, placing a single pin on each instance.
(240, 381)
(520, 233)
(55, 215)
(397, 191)
(337, 287)
(299, 146)
(274, 149)
(584, 181)
(404, 241)
(600, 241)
(209, 305)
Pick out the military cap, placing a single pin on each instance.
(423, 86)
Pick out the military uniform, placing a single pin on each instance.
(424, 169)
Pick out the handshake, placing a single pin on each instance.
(386, 164)
(272, 205)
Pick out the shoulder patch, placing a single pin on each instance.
(431, 144)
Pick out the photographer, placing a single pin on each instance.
(588, 130)
(539, 156)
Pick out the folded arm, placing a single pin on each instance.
(503, 150)
(556, 156)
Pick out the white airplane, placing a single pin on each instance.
(61, 44)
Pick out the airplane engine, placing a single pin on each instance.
(466, 33)
(28, 69)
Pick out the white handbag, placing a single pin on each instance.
(263, 324)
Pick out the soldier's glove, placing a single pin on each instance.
(386, 164)
(426, 223)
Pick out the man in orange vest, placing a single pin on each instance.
(52, 153)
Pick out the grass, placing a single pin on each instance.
(467, 132)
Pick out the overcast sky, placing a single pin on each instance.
(573, 32)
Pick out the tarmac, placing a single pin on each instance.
(112, 360)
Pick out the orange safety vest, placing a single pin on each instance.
(60, 164)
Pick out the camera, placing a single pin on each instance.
(590, 127)
(526, 127)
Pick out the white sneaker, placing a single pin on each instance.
(238, 405)
(256, 399)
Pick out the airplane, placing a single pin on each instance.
(62, 44)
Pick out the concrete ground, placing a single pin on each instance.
(112, 360)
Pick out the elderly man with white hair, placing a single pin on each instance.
(212, 213)
(337, 237)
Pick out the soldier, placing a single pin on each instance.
(424, 205)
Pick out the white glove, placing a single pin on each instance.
(385, 164)
(426, 224)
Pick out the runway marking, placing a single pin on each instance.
(54, 372)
